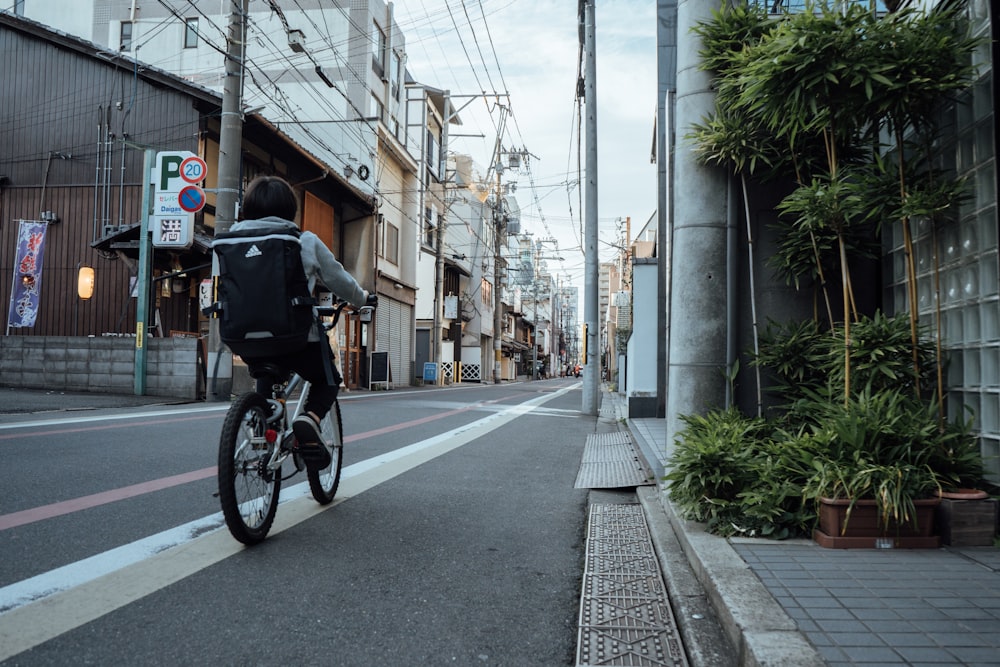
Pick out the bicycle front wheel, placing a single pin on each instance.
(248, 491)
(323, 483)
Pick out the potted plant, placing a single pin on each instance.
(873, 484)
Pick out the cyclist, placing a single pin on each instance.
(270, 206)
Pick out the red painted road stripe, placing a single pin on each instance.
(86, 502)
(102, 427)
(94, 500)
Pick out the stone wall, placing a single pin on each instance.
(174, 366)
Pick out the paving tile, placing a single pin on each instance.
(860, 601)
(807, 626)
(871, 654)
(940, 626)
(919, 655)
(833, 655)
(824, 613)
(840, 626)
(976, 656)
(878, 614)
(954, 638)
(852, 639)
(817, 599)
(893, 626)
(989, 626)
(914, 639)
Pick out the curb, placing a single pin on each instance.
(756, 626)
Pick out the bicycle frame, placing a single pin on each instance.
(257, 438)
(279, 402)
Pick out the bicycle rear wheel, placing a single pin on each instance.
(248, 491)
(323, 483)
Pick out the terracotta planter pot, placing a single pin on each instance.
(965, 494)
(863, 530)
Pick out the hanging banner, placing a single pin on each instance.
(27, 284)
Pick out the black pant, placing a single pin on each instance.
(309, 362)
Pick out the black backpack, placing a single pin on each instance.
(262, 296)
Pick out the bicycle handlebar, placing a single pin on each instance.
(335, 310)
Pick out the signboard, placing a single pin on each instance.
(451, 307)
(172, 231)
(430, 372)
(379, 368)
(176, 198)
(191, 199)
(25, 291)
(193, 169)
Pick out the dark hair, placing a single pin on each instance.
(269, 196)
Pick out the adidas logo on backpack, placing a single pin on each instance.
(254, 251)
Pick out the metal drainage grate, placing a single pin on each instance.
(625, 617)
(610, 461)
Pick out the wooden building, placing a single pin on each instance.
(76, 121)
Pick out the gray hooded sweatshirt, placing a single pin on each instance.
(318, 261)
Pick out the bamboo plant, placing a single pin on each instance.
(840, 77)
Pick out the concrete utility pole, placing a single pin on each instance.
(534, 338)
(500, 227)
(436, 341)
(230, 153)
(592, 362)
(231, 132)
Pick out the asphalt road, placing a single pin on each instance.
(457, 538)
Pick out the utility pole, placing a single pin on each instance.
(436, 343)
(230, 153)
(231, 132)
(592, 362)
(500, 227)
(534, 340)
(143, 277)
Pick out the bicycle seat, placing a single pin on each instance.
(267, 369)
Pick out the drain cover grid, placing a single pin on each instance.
(610, 462)
(625, 618)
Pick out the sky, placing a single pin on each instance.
(530, 49)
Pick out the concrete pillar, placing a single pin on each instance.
(696, 356)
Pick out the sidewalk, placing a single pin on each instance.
(795, 603)
(26, 401)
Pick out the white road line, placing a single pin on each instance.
(78, 418)
(45, 606)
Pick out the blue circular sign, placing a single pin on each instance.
(191, 198)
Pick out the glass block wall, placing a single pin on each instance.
(968, 244)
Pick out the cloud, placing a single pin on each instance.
(536, 45)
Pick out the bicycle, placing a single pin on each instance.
(257, 441)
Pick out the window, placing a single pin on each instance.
(394, 70)
(430, 229)
(486, 291)
(378, 50)
(377, 109)
(125, 36)
(389, 243)
(433, 154)
(191, 33)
